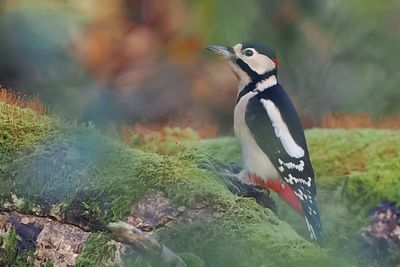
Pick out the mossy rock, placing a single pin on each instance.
(78, 175)
(11, 254)
(23, 128)
(355, 169)
(247, 235)
(192, 260)
(98, 251)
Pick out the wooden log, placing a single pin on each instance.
(144, 244)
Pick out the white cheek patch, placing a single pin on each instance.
(281, 130)
(257, 62)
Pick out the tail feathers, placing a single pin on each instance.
(286, 193)
(300, 199)
(307, 207)
(313, 232)
(313, 221)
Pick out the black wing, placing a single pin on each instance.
(291, 159)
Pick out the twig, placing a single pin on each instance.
(152, 250)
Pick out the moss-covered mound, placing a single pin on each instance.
(356, 169)
(22, 128)
(79, 176)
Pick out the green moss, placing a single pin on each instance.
(89, 179)
(246, 235)
(224, 149)
(84, 171)
(11, 248)
(24, 259)
(80, 170)
(98, 251)
(77, 169)
(355, 170)
(191, 260)
(48, 264)
(10, 256)
(22, 128)
(167, 141)
(131, 259)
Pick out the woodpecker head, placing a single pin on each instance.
(249, 61)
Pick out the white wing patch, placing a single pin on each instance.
(291, 165)
(281, 130)
(293, 180)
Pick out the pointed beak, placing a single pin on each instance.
(226, 52)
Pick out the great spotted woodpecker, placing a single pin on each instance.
(269, 131)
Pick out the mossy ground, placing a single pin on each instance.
(22, 128)
(10, 248)
(77, 171)
(355, 169)
(247, 235)
(10, 255)
(98, 251)
(89, 179)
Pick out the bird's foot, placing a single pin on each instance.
(234, 176)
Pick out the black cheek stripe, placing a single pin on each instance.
(254, 77)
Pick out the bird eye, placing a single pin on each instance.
(248, 52)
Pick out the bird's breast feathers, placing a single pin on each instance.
(254, 159)
(275, 150)
(271, 137)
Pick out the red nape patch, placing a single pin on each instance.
(275, 60)
(282, 189)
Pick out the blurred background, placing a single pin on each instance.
(142, 62)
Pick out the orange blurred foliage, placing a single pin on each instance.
(179, 132)
(12, 98)
(136, 31)
(163, 140)
(358, 120)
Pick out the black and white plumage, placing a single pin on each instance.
(269, 131)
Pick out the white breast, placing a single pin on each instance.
(254, 159)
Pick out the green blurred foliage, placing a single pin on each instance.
(35, 51)
(354, 173)
(339, 55)
(334, 55)
(95, 180)
(225, 21)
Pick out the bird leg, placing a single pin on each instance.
(233, 176)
